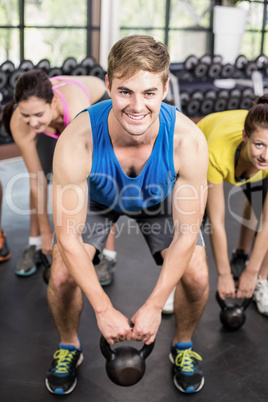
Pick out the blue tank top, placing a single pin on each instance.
(107, 182)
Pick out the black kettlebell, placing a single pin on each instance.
(125, 365)
(232, 316)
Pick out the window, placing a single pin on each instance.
(52, 29)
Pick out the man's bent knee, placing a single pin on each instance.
(60, 276)
(196, 275)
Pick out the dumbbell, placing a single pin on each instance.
(43, 64)
(207, 105)
(55, 71)
(200, 71)
(184, 98)
(221, 101)
(190, 62)
(14, 77)
(234, 99)
(241, 62)
(97, 71)
(8, 67)
(197, 94)
(68, 65)
(250, 68)
(261, 63)
(247, 97)
(193, 107)
(213, 66)
(3, 79)
(217, 58)
(79, 70)
(26, 65)
(88, 62)
(227, 70)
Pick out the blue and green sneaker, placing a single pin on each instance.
(188, 377)
(61, 378)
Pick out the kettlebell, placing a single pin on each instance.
(125, 365)
(232, 316)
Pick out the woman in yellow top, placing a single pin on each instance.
(238, 154)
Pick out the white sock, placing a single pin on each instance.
(35, 241)
(111, 255)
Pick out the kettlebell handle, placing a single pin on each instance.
(246, 303)
(109, 354)
(224, 306)
(221, 302)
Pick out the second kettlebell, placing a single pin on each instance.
(125, 365)
(232, 316)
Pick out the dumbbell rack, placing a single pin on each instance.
(198, 77)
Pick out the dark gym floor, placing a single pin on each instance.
(235, 364)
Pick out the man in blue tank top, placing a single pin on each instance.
(134, 156)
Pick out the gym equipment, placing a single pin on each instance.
(68, 65)
(246, 98)
(217, 58)
(207, 59)
(88, 62)
(190, 62)
(241, 62)
(227, 70)
(54, 72)
(3, 79)
(214, 71)
(44, 65)
(250, 68)
(97, 71)
(193, 107)
(233, 103)
(8, 67)
(14, 77)
(79, 70)
(236, 92)
(125, 365)
(207, 106)
(261, 62)
(184, 98)
(211, 94)
(197, 94)
(26, 65)
(232, 316)
(200, 70)
(220, 105)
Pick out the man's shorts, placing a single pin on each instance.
(155, 224)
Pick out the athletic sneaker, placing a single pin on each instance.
(238, 262)
(5, 254)
(105, 271)
(27, 265)
(169, 306)
(61, 378)
(260, 296)
(188, 377)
